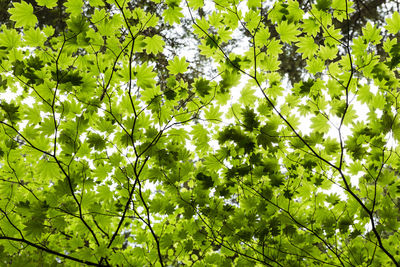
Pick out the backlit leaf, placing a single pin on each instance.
(154, 44)
(22, 14)
(177, 65)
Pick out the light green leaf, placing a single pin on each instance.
(364, 94)
(213, 114)
(269, 62)
(200, 138)
(179, 135)
(34, 37)
(327, 52)
(154, 45)
(74, 7)
(262, 37)
(320, 124)
(201, 27)
(173, 15)
(372, 33)
(393, 23)
(10, 38)
(96, 3)
(295, 11)
(253, 4)
(47, 3)
(247, 96)
(196, 4)
(315, 65)
(288, 32)
(311, 27)
(177, 65)
(145, 76)
(378, 101)
(307, 47)
(22, 14)
(351, 115)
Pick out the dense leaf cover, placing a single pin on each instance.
(118, 147)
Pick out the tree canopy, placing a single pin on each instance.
(199, 133)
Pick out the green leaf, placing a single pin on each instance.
(205, 180)
(74, 7)
(200, 137)
(47, 3)
(11, 111)
(145, 76)
(203, 87)
(35, 227)
(307, 47)
(22, 14)
(196, 4)
(393, 23)
(320, 124)
(247, 96)
(213, 114)
(323, 4)
(328, 53)
(96, 141)
(173, 15)
(179, 135)
(229, 79)
(177, 65)
(311, 26)
(250, 119)
(372, 33)
(10, 38)
(351, 115)
(287, 31)
(154, 45)
(34, 37)
(315, 65)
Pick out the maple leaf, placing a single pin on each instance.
(154, 45)
(311, 26)
(287, 31)
(307, 47)
(206, 180)
(9, 39)
(323, 4)
(11, 110)
(213, 113)
(145, 76)
(74, 7)
(173, 15)
(250, 119)
(34, 37)
(177, 65)
(203, 87)
(35, 227)
(315, 65)
(47, 3)
(393, 23)
(22, 14)
(96, 141)
(247, 96)
(196, 4)
(320, 123)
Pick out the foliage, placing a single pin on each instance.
(118, 148)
